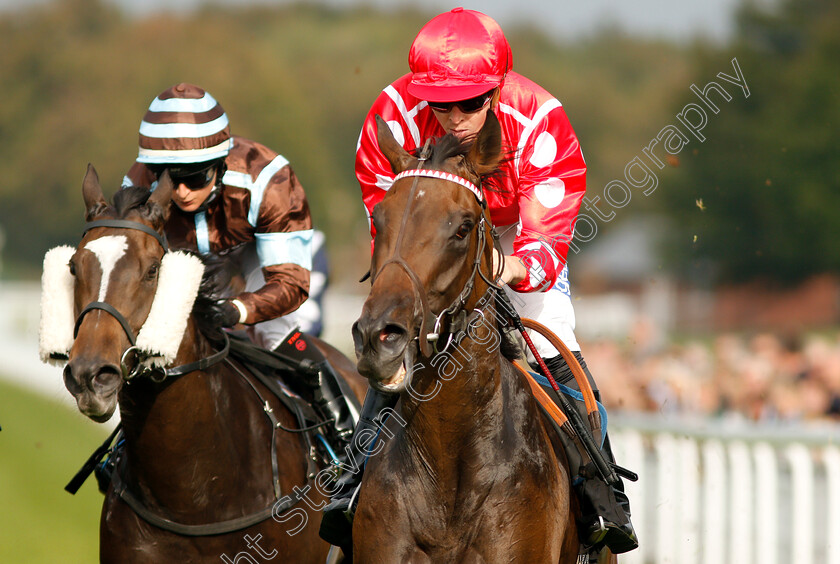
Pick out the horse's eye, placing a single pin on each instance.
(464, 230)
(153, 272)
(72, 266)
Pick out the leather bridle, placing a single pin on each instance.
(455, 311)
(132, 360)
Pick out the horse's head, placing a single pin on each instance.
(109, 294)
(431, 243)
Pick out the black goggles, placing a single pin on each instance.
(192, 180)
(469, 106)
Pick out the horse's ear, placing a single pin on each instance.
(95, 202)
(393, 151)
(158, 203)
(486, 151)
(162, 194)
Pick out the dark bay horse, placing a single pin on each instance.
(199, 446)
(469, 472)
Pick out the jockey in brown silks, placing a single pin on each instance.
(236, 197)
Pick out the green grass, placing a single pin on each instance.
(42, 445)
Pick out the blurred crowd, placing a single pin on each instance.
(759, 377)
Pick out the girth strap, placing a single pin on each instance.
(279, 506)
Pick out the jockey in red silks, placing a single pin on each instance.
(461, 68)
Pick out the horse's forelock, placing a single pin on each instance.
(447, 147)
(129, 198)
(450, 146)
(136, 198)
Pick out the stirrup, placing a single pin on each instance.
(596, 533)
(618, 538)
(346, 505)
(337, 520)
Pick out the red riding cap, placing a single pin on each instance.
(458, 55)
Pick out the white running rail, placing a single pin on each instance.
(715, 492)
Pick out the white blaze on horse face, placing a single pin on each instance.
(108, 250)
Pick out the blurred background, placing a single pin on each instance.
(707, 292)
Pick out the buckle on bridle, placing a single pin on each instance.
(131, 364)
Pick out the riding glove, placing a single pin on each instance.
(223, 313)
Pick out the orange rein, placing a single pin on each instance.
(580, 377)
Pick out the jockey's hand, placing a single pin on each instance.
(223, 314)
(513, 270)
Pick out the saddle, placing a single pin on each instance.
(297, 370)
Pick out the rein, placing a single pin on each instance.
(131, 362)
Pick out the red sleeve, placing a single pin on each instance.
(373, 171)
(552, 183)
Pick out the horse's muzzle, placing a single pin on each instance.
(95, 386)
(380, 346)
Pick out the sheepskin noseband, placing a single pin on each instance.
(161, 335)
(178, 282)
(55, 331)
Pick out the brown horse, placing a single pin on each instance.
(205, 445)
(468, 471)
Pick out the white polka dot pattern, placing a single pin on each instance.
(545, 150)
(551, 192)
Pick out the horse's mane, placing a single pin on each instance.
(449, 146)
(215, 285)
(509, 346)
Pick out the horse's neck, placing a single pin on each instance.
(467, 410)
(171, 428)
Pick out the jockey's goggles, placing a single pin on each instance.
(193, 180)
(469, 106)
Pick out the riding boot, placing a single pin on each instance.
(336, 523)
(333, 401)
(331, 396)
(605, 508)
(605, 511)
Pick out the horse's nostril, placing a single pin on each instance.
(391, 334)
(70, 381)
(106, 379)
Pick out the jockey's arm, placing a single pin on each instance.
(284, 247)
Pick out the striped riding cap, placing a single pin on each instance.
(184, 124)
